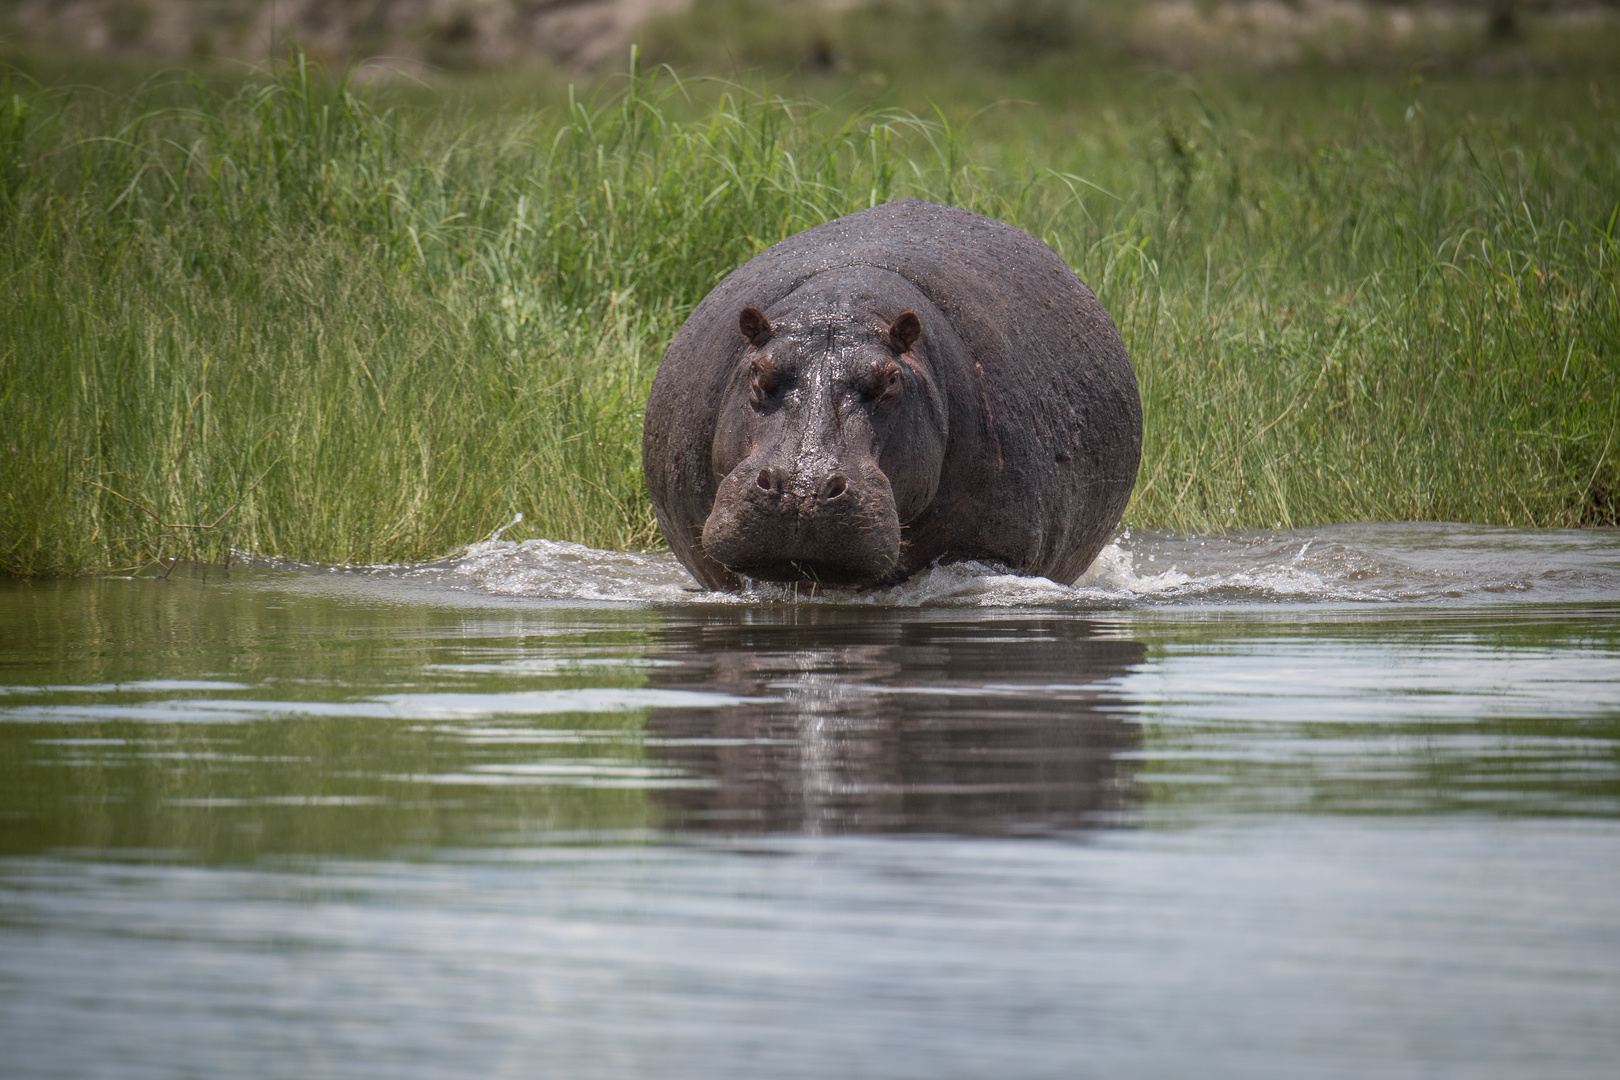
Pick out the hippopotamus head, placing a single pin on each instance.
(831, 437)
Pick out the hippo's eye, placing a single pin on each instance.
(882, 382)
(766, 381)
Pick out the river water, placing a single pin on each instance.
(1336, 802)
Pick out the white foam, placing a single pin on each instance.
(1423, 562)
(558, 570)
(554, 570)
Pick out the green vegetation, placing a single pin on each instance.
(300, 318)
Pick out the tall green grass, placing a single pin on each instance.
(1399, 317)
(290, 319)
(286, 321)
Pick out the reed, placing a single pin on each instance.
(294, 318)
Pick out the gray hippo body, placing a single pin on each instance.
(907, 385)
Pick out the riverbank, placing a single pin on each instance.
(303, 318)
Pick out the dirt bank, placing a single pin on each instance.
(423, 35)
(432, 33)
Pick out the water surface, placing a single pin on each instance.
(1319, 803)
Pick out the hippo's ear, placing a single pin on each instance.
(904, 331)
(755, 326)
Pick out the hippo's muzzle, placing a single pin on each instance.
(823, 523)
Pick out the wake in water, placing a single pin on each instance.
(1396, 562)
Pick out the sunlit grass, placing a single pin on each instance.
(289, 319)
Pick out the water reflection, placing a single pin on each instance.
(223, 720)
(330, 823)
(858, 723)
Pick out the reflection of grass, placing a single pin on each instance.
(1397, 718)
(1533, 766)
(308, 783)
(289, 319)
(314, 786)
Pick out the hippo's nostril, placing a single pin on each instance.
(765, 480)
(833, 487)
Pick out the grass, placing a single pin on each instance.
(294, 317)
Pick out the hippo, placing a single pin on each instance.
(909, 385)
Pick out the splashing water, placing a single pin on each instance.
(1421, 562)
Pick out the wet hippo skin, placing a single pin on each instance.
(907, 385)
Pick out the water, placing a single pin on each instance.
(1334, 802)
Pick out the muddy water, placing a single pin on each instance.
(1337, 802)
